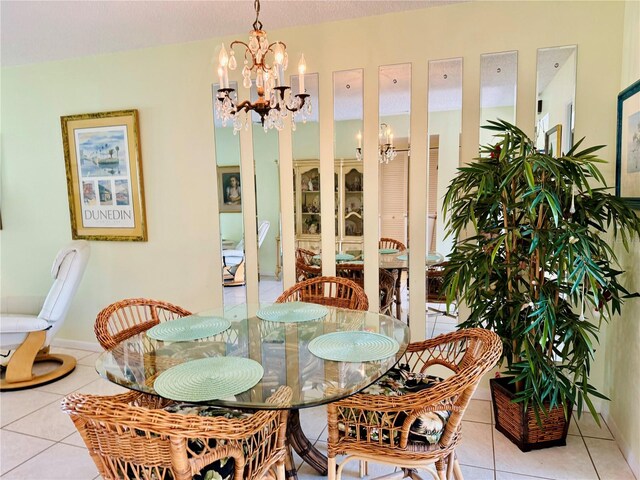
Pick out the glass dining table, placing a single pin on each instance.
(282, 350)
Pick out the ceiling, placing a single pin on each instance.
(42, 31)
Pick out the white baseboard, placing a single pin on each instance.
(629, 454)
(77, 344)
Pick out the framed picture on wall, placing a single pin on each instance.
(229, 189)
(104, 176)
(628, 145)
(553, 141)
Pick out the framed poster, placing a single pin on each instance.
(553, 141)
(104, 176)
(628, 145)
(229, 189)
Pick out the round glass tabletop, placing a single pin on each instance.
(282, 349)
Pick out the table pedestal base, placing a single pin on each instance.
(303, 447)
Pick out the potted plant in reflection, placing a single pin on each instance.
(533, 261)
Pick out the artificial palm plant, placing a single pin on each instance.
(533, 260)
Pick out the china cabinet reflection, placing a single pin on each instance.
(348, 204)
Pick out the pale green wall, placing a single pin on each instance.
(447, 125)
(494, 113)
(265, 155)
(306, 141)
(558, 94)
(622, 359)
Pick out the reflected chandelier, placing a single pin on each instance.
(267, 62)
(386, 150)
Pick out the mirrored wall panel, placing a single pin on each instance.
(498, 87)
(306, 173)
(556, 95)
(445, 132)
(394, 124)
(267, 181)
(348, 110)
(227, 146)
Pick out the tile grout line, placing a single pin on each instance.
(589, 453)
(617, 445)
(493, 448)
(30, 413)
(31, 457)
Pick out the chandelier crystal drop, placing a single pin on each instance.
(386, 150)
(264, 65)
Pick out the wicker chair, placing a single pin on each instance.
(391, 243)
(305, 255)
(129, 317)
(129, 438)
(351, 271)
(378, 428)
(331, 291)
(387, 281)
(305, 271)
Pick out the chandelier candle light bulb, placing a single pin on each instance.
(302, 68)
(267, 62)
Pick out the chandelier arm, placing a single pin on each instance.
(284, 45)
(238, 42)
(302, 97)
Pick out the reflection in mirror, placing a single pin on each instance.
(306, 178)
(556, 94)
(394, 83)
(227, 147)
(444, 134)
(498, 84)
(267, 181)
(348, 108)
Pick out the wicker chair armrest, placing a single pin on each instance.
(434, 396)
(413, 416)
(110, 409)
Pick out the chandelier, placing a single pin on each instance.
(386, 150)
(264, 67)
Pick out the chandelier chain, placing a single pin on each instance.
(257, 25)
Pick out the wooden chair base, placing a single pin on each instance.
(235, 279)
(18, 373)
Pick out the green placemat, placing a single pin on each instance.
(292, 312)
(344, 257)
(353, 346)
(435, 257)
(355, 262)
(403, 257)
(387, 251)
(208, 379)
(188, 328)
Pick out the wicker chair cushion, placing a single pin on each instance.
(222, 469)
(400, 380)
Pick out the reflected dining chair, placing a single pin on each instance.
(351, 271)
(305, 255)
(305, 271)
(132, 436)
(409, 418)
(391, 243)
(330, 291)
(129, 317)
(387, 280)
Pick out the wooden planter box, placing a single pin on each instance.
(520, 426)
